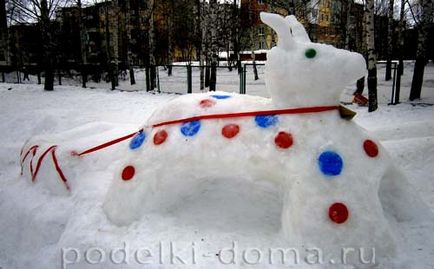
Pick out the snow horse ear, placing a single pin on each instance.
(281, 27)
(298, 30)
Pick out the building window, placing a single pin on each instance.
(261, 31)
(262, 45)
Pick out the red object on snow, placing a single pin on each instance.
(360, 99)
(338, 213)
(160, 137)
(370, 148)
(283, 140)
(128, 173)
(230, 130)
(207, 103)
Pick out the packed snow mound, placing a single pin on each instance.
(328, 170)
(336, 182)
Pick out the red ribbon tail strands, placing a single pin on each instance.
(34, 172)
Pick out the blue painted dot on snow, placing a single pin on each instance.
(216, 96)
(330, 163)
(137, 140)
(190, 128)
(265, 121)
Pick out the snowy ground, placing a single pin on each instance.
(42, 231)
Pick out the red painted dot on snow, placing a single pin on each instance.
(283, 140)
(207, 103)
(160, 137)
(370, 148)
(338, 213)
(230, 130)
(128, 172)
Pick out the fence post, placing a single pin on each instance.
(112, 68)
(241, 81)
(213, 78)
(18, 77)
(157, 71)
(244, 78)
(398, 83)
(83, 76)
(60, 77)
(189, 79)
(148, 87)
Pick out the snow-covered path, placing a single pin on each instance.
(35, 226)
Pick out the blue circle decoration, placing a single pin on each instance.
(330, 163)
(137, 140)
(216, 96)
(190, 128)
(265, 121)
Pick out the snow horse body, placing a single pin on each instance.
(329, 170)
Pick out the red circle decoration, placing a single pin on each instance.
(283, 140)
(160, 137)
(338, 213)
(207, 103)
(230, 130)
(128, 172)
(370, 148)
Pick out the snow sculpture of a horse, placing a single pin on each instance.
(328, 168)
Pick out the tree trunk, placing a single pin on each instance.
(48, 48)
(4, 32)
(3, 21)
(201, 32)
(169, 37)
(214, 47)
(128, 24)
(82, 30)
(151, 44)
(389, 41)
(349, 25)
(401, 38)
(419, 67)
(372, 66)
(108, 48)
(207, 73)
(115, 42)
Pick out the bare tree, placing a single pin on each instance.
(236, 36)
(401, 37)
(214, 45)
(41, 11)
(421, 60)
(151, 66)
(389, 41)
(201, 34)
(3, 32)
(372, 58)
(128, 40)
(83, 47)
(111, 40)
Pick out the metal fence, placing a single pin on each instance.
(183, 79)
